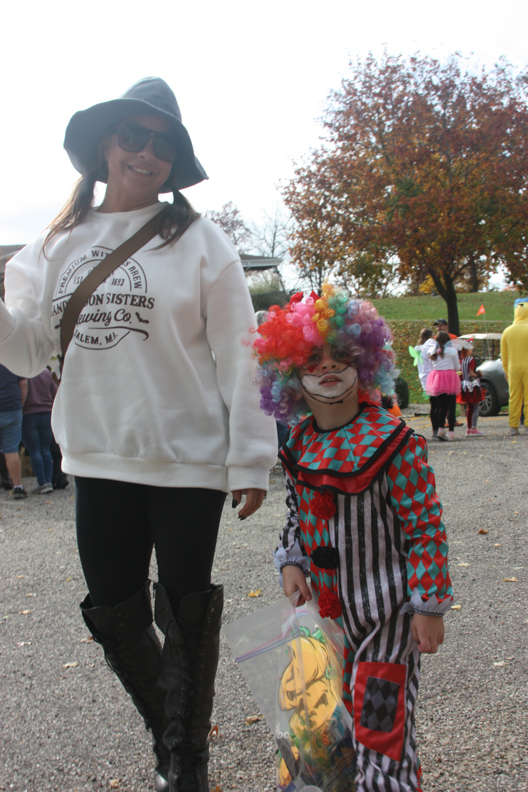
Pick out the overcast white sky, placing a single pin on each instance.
(251, 80)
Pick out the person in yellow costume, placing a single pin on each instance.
(514, 353)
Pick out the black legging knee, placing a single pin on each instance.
(119, 523)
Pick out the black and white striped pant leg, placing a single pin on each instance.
(385, 690)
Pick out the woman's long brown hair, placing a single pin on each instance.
(425, 334)
(441, 339)
(174, 220)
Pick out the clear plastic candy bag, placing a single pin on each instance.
(291, 660)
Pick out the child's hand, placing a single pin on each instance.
(427, 631)
(294, 580)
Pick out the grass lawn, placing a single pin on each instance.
(498, 305)
(407, 315)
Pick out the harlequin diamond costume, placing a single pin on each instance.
(365, 523)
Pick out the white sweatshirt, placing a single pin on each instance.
(157, 385)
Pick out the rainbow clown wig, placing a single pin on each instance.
(289, 335)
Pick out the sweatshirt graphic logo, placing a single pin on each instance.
(118, 307)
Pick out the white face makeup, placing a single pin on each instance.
(331, 386)
(329, 375)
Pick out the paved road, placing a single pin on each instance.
(67, 726)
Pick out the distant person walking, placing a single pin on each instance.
(443, 382)
(13, 392)
(36, 429)
(514, 353)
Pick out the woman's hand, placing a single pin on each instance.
(254, 498)
(293, 580)
(427, 631)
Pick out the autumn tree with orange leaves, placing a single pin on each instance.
(423, 172)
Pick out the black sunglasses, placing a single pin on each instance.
(133, 137)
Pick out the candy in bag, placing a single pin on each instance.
(291, 659)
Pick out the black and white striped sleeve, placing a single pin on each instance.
(290, 549)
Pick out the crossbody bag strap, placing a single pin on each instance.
(86, 288)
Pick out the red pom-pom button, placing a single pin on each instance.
(329, 605)
(322, 505)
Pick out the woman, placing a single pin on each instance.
(36, 429)
(443, 382)
(156, 415)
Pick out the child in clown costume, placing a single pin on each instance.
(364, 518)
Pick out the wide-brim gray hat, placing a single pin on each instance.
(150, 96)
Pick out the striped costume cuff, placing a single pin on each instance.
(294, 556)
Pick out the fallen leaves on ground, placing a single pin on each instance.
(253, 719)
(114, 783)
(24, 643)
(510, 580)
(254, 593)
(214, 731)
(70, 665)
(89, 639)
(24, 612)
(217, 788)
(502, 663)
(456, 607)
(482, 531)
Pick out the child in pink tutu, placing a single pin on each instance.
(443, 381)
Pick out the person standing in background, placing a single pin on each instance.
(471, 393)
(13, 392)
(444, 382)
(441, 326)
(514, 354)
(424, 367)
(36, 428)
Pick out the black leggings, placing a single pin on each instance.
(433, 414)
(119, 523)
(447, 406)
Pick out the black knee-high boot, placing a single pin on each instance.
(190, 655)
(133, 652)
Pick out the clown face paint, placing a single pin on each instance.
(331, 386)
(329, 375)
